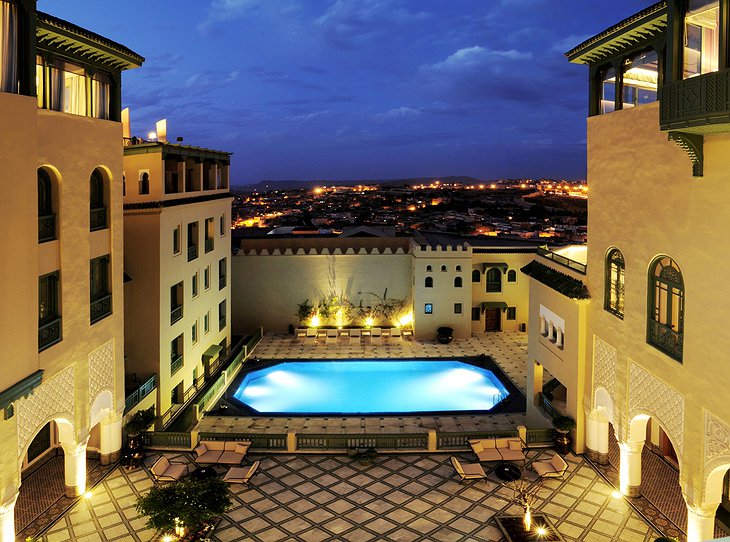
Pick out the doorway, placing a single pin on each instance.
(493, 320)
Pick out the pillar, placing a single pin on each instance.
(597, 438)
(536, 388)
(559, 339)
(74, 467)
(701, 522)
(7, 519)
(543, 326)
(630, 467)
(110, 430)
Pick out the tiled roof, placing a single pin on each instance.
(560, 282)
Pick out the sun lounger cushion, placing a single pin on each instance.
(515, 445)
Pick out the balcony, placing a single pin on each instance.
(665, 339)
(46, 228)
(176, 314)
(142, 391)
(98, 219)
(699, 105)
(192, 252)
(49, 333)
(208, 245)
(176, 364)
(101, 308)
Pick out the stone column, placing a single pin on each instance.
(536, 387)
(597, 437)
(7, 519)
(74, 456)
(701, 522)
(110, 433)
(559, 340)
(630, 467)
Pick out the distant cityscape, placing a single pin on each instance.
(545, 208)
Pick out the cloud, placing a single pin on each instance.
(400, 114)
(477, 57)
(566, 44)
(221, 11)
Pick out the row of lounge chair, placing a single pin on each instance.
(313, 336)
(165, 470)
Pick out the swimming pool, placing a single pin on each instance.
(370, 387)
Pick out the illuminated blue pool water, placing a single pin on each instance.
(351, 387)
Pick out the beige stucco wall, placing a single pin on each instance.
(645, 201)
(71, 147)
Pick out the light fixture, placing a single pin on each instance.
(152, 135)
(88, 495)
(616, 494)
(541, 531)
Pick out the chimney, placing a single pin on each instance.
(161, 128)
(126, 124)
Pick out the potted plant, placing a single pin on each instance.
(186, 508)
(364, 456)
(444, 335)
(134, 426)
(563, 426)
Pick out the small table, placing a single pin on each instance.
(203, 473)
(508, 472)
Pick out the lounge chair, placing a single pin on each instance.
(221, 452)
(301, 334)
(407, 334)
(331, 337)
(241, 475)
(165, 470)
(311, 336)
(354, 337)
(395, 335)
(468, 471)
(554, 468)
(376, 336)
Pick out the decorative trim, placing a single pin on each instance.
(717, 437)
(649, 395)
(604, 368)
(21, 389)
(101, 370)
(692, 144)
(175, 202)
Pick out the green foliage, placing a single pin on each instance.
(305, 311)
(337, 310)
(193, 502)
(140, 421)
(564, 423)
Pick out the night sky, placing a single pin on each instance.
(361, 89)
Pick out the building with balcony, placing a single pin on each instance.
(658, 146)
(61, 389)
(177, 257)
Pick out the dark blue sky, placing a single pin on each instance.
(361, 89)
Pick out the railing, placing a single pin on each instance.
(536, 438)
(666, 339)
(417, 441)
(699, 101)
(211, 392)
(97, 218)
(49, 333)
(446, 441)
(562, 260)
(176, 314)
(167, 439)
(271, 441)
(222, 282)
(547, 407)
(134, 398)
(208, 245)
(100, 308)
(221, 323)
(46, 228)
(176, 364)
(192, 252)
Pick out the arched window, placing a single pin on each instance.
(46, 218)
(613, 299)
(428, 269)
(97, 200)
(511, 275)
(665, 321)
(429, 282)
(458, 269)
(494, 280)
(443, 268)
(144, 183)
(457, 282)
(476, 276)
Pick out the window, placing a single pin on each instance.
(443, 268)
(97, 201)
(49, 314)
(494, 280)
(144, 182)
(613, 300)
(457, 282)
(457, 308)
(665, 326)
(206, 322)
(176, 354)
(194, 332)
(221, 315)
(176, 302)
(476, 276)
(640, 76)
(607, 90)
(511, 275)
(458, 269)
(209, 234)
(46, 217)
(428, 308)
(222, 271)
(8, 47)
(511, 313)
(176, 240)
(206, 278)
(701, 37)
(222, 225)
(475, 314)
(192, 241)
(100, 95)
(428, 269)
(124, 184)
(67, 88)
(429, 282)
(100, 295)
(194, 282)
